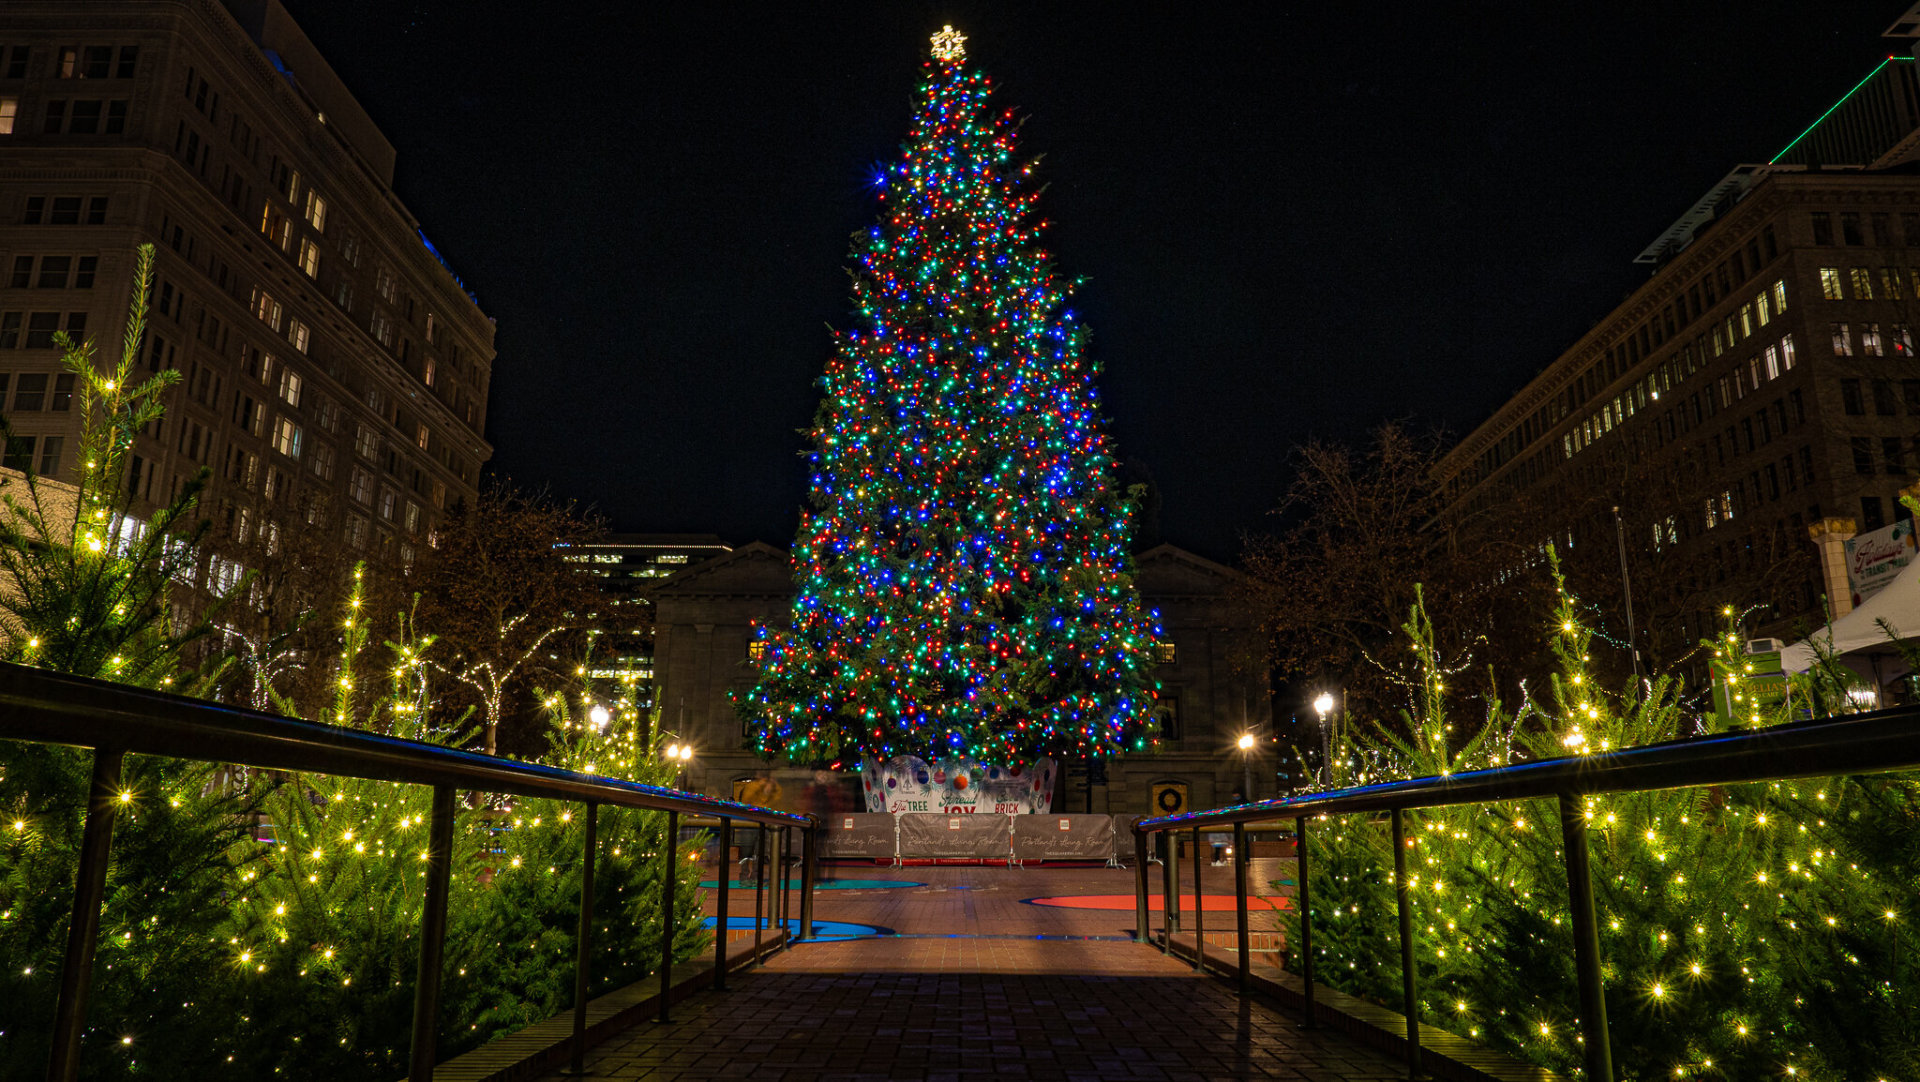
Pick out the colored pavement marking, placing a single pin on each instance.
(827, 884)
(822, 929)
(1216, 903)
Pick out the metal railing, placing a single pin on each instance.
(1859, 744)
(114, 720)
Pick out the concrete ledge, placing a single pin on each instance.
(1446, 1056)
(545, 1047)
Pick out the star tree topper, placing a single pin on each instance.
(949, 44)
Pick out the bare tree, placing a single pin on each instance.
(496, 588)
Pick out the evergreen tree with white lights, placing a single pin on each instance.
(964, 585)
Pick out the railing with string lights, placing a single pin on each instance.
(1886, 740)
(114, 720)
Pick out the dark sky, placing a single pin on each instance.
(1293, 221)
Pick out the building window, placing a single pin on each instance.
(361, 486)
(1830, 283)
(366, 443)
(1167, 710)
(1870, 340)
(316, 211)
(1890, 283)
(309, 257)
(266, 309)
(299, 335)
(1892, 450)
(290, 387)
(9, 114)
(1862, 283)
(421, 437)
(1883, 402)
(757, 651)
(385, 284)
(356, 531)
(1862, 456)
(1822, 228)
(1786, 353)
(382, 328)
(1873, 514)
(1850, 398)
(286, 437)
(388, 501)
(413, 517)
(1910, 390)
(1166, 652)
(1850, 228)
(320, 460)
(1842, 340)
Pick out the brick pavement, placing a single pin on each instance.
(982, 985)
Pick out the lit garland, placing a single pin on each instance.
(1746, 931)
(964, 585)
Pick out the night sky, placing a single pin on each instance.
(1293, 223)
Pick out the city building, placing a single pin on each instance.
(334, 370)
(626, 565)
(1751, 405)
(1213, 688)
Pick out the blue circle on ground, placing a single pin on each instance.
(822, 929)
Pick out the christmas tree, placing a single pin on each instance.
(964, 586)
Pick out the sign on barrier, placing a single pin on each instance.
(976, 836)
(863, 834)
(1063, 837)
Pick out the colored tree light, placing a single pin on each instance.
(964, 583)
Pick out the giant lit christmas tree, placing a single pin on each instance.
(964, 587)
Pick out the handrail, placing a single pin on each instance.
(115, 720)
(1857, 744)
(53, 708)
(1881, 741)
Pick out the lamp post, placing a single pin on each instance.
(1246, 765)
(1323, 705)
(681, 754)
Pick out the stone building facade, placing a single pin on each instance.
(1212, 688)
(335, 372)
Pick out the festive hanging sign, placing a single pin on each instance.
(958, 786)
(1875, 558)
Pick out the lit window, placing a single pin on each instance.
(1842, 340)
(1780, 295)
(361, 486)
(365, 443)
(1870, 340)
(286, 437)
(1890, 284)
(421, 437)
(1862, 284)
(1165, 653)
(1786, 353)
(1830, 283)
(290, 387)
(266, 308)
(9, 112)
(299, 335)
(316, 211)
(309, 257)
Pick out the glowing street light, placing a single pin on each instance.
(1323, 705)
(599, 716)
(1245, 744)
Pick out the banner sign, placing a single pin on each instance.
(908, 783)
(1873, 559)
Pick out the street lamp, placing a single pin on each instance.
(1246, 743)
(1324, 706)
(681, 754)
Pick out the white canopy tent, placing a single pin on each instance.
(1859, 639)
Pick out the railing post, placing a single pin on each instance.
(780, 884)
(89, 890)
(1302, 901)
(1199, 907)
(583, 944)
(1586, 940)
(1402, 891)
(720, 922)
(1169, 893)
(433, 937)
(1140, 887)
(759, 884)
(809, 855)
(1240, 899)
(666, 913)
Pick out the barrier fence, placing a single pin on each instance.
(114, 720)
(1884, 741)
